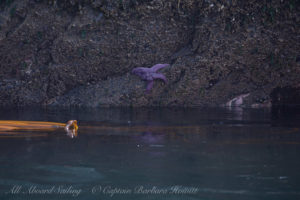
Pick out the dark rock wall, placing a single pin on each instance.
(81, 52)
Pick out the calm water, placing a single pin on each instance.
(209, 154)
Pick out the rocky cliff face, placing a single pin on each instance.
(81, 52)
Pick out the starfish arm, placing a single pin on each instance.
(138, 70)
(143, 73)
(159, 76)
(157, 67)
(149, 86)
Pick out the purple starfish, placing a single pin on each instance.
(149, 74)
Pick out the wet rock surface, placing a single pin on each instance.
(81, 52)
(282, 96)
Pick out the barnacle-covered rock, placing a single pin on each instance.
(80, 52)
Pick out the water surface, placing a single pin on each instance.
(154, 154)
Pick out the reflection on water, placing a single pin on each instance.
(154, 154)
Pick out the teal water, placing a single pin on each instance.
(209, 154)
